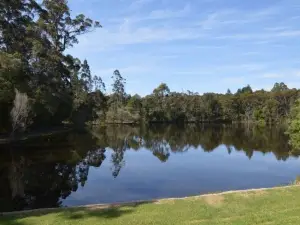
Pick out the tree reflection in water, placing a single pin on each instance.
(41, 173)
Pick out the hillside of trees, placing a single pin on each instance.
(41, 86)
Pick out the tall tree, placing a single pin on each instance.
(228, 92)
(279, 87)
(162, 90)
(245, 90)
(86, 76)
(118, 87)
(61, 27)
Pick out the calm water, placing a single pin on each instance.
(125, 163)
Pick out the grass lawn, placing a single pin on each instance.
(267, 207)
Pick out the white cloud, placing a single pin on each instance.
(249, 53)
(155, 14)
(168, 13)
(125, 71)
(230, 17)
(271, 75)
(134, 28)
(281, 74)
(222, 69)
(232, 81)
(215, 19)
(210, 46)
(193, 72)
(277, 28)
(265, 36)
(289, 33)
(127, 35)
(137, 4)
(250, 67)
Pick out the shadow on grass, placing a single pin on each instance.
(99, 211)
(102, 213)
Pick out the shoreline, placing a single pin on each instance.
(6, 139)
(134, 203)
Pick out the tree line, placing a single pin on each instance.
(165, 106)
(245, 105)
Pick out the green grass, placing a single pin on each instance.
(265, 207)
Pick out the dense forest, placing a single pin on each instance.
(41, 86)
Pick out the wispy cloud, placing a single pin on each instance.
(271, 75)
(261, 35)
(127, 35)
(168, 13)
(167, 40)
(224, 69)
(282, 74)
(135, 28)
(126, 71)
(232, 16)
(137, 4)
(250, 53)
(278, 28)
(238, 80)
(156, 14)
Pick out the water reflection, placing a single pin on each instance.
(42, 173)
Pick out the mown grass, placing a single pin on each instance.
(265, 207)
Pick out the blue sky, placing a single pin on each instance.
(197, 45)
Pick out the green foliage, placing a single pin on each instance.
(122, 115)
(118, 86)
(63, 30)
(34, 36)
(134, 102)
(270, 110)
(279, 87)
(228, 92)
(294, 126)
(245, 90)
(259, 106)
(161, 90)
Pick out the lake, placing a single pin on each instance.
(125, 163)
